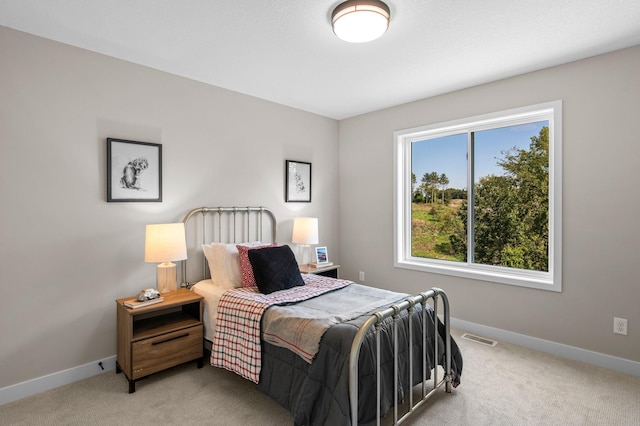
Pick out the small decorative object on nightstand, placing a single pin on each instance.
(159, 336)
(322, 258)
(326, 271)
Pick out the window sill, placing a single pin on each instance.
(521, 278)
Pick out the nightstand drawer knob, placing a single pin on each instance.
(170, 339)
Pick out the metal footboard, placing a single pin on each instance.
(394, 311)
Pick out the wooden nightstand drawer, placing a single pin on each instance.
(160, 352)
(159, 336)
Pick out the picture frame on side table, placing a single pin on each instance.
(322, 257)
(298, 181)
(134, 171)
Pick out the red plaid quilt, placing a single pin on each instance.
(236, 340)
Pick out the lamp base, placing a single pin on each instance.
(305, 253)
(166, 277)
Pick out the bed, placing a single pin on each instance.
(330, 351)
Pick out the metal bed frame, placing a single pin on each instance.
(234, 224)
(237, 224)
(375, 320)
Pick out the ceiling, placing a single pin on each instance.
(285, 51)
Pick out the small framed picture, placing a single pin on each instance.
(322, 258)
(298, 181)
(134, 171)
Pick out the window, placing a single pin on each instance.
(481, 197)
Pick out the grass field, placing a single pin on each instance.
(431, 226)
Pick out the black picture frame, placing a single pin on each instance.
(298, 181)
(134, 171)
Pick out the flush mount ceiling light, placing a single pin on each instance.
(359, 21)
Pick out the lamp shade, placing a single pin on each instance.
(305, 230)
(165, 243)
(359, 21)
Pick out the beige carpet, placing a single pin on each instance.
(501, 385)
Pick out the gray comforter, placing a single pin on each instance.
(300, 326)
(318, 393)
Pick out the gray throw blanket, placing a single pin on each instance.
(300, 327)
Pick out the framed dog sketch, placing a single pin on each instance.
(134, 171)
(298, 181)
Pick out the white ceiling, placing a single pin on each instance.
(285, 51)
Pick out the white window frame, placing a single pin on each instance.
(550, 280)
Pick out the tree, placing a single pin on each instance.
(443, 180)
(529, 170)
(430, 185)
(495, 219)
(511, 212)
(415, 193)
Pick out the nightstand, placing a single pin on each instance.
(159, 336)
(326, 271)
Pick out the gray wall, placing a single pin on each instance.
(67, 254)
(601, 200)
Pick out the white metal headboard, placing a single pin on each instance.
(204, 225)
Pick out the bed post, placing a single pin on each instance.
(447, 340)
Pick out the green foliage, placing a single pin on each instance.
(456, 194)
(511, 220)
(511, 211)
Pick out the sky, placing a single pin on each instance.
(448, 154)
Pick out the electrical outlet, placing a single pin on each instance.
(620, 326)
(361, 276)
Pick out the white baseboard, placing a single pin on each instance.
(559, 349)
(54, 380)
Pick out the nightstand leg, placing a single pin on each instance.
(118, 369)
(200, 362)
(132, 386)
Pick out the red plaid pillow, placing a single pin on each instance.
(246, 271)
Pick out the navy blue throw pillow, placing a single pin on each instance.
(275, 268)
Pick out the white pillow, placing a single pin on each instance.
(224, 263)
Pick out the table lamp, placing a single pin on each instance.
(305, 233)
(163, 244)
